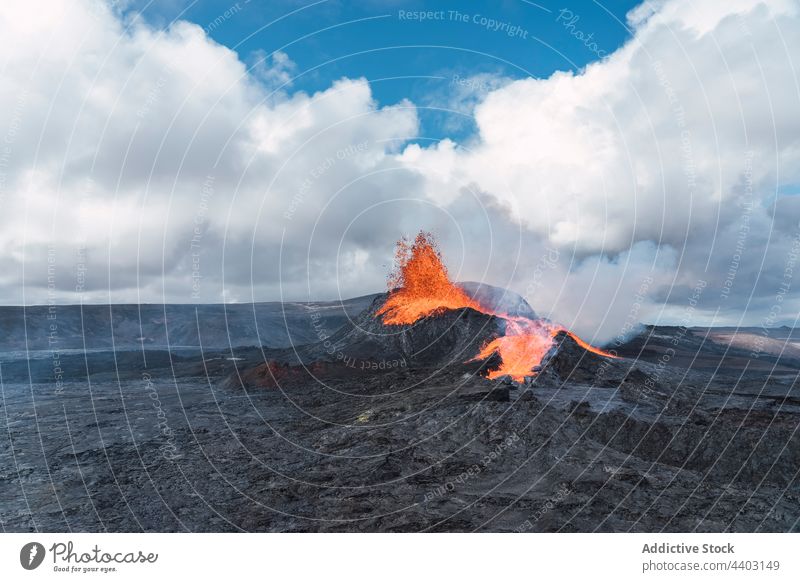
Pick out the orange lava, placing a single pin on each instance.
(420, 286)
(590, 347)
(525, 344)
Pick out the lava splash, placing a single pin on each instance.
(420, 287)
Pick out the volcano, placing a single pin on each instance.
(426, 319)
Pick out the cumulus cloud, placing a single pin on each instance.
(153, 164)
(276, 70)
(677, 141)
(154, 159)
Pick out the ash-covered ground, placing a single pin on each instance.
(690, 430)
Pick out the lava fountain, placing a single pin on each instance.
(420, 287)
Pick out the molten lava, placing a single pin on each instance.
(420, 286)
(525, 344)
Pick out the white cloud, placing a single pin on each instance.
(121, 125)
(650, 145)
(275, 70)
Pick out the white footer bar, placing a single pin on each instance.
(401, 557)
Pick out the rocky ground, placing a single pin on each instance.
(247, 439)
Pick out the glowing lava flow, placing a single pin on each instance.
(525, 344)
(420, 286)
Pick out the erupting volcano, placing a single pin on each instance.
(421, 287)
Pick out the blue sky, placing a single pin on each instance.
(329, 40)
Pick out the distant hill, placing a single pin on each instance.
(127, 326)
(130, 326)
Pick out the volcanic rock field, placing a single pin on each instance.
(369, 437)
